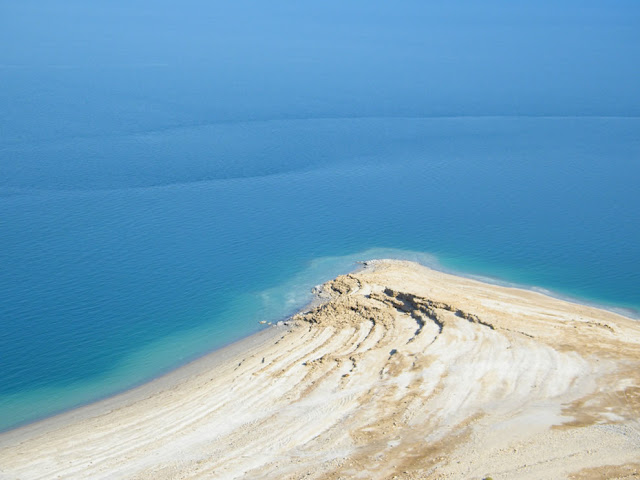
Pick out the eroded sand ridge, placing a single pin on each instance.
(402, 372)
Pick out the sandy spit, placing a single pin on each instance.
(402, 373)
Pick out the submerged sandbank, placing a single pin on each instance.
(401, 371)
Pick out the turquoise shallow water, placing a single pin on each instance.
(171, 243)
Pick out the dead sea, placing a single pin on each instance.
(398, 371)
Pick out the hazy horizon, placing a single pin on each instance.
(80, 68)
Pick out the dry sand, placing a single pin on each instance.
(404, 372)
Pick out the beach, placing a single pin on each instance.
(396, 371)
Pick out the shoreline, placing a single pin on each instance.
(256, 340)
(161, 383)
(465, 306)
(627, 312)
(165, 380)
(175, 374)
(631, 312)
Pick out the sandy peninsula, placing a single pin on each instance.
(399, 372)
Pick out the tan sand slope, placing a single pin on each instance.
(403, 373)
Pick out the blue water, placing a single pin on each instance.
(109, 284)
(159, 198)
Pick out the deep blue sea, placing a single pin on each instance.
(165, 185)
